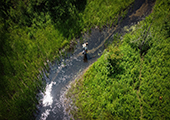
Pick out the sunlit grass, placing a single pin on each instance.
(131, 80)
(103, 12)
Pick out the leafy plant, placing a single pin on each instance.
(130, 80)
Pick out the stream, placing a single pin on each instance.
(51, 104)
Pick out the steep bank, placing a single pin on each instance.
(62, 74)
(125, 26)
(130, 81)
(34, 33)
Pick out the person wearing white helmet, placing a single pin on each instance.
(86, 57)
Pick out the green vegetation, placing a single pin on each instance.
(130, 80)
(81, 16)
(102, 12)
(33, 32)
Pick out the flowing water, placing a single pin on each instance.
(51, 104)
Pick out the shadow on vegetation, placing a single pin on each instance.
(116, 68)
(65, 16)
(6, 69)
(115, 58)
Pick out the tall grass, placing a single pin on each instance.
(129, 81)
(102, 12)
(33, 32)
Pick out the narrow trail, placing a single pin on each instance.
(138, 91)
(61, 73)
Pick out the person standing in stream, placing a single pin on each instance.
(86, 57)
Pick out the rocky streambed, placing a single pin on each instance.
(52, 103)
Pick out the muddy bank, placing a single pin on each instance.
(52, 105)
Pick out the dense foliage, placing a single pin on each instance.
(33, 32)
(131, 80)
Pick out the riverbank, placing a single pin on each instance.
(130, 80)
(61, 74)
(129, 24)
(33, 35)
